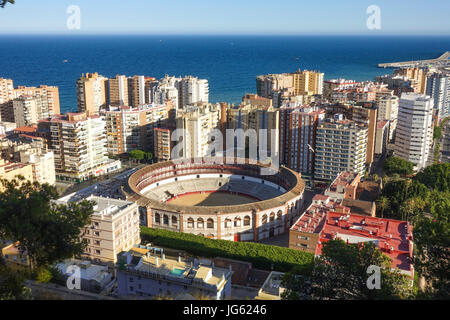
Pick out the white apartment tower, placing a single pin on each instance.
(414, 129)
(388, 110)
(78, 143)
(438, 88)
(198, 123)
(341, 145)
(192, 90)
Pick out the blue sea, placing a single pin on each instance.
(230, 63)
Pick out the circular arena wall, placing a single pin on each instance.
(277, 198)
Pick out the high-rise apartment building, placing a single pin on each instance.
(266, 85)
(118, 91)
(414, 135)
(341, 145)
(48, 100)
(130, 128)
(367, 113)
(28, 110)
(192, 90)
(293, 84)
(308, 82)
(298, 126)
(198, 123)
(78, 143)
(92, 93)
(162, 144)
(256, 117)
(166, 91)
(438, 88)
(416, 75)
(388, 110)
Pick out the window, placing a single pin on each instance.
(210, 223)
(96, 233)
(131, 288)
(200, 223)
(97, 242)
(166, 219)
(272, 217)
(237, 222)
(131, 279)
(247, 221)
(97, 251)
(190, 223)
(174, 220)
(157, 218)
(303, 238)
(264, 219)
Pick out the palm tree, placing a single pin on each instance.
(383, 204)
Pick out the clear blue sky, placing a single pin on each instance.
(227, 16)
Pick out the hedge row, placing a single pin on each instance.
(260, 255)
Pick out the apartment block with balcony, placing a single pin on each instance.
(92, 93)
(130, 128)
(414, 135)
(78, 143)
(341, 145)
(114, 228)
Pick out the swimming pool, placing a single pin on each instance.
(177, 272)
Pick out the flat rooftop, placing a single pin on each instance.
(176, 270)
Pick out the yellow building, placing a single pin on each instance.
(308, 82)
(10, 171)
(418, 77)
(91, 93)
(14, 258)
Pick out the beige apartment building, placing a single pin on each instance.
(418, 77)
(256, 117)
(91, 93)
(162, 144)
(47, 100)
(28, 110)
(198, 123)
(118, 91)
(10, 170)
(130, 128)
(35, 154)
(114, 228)
(388, 110)
(367, 113)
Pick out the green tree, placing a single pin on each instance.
(138, 155)
(341, 273)
(437, 134)
(432, 240)
(383, 204)
(4, 2)
(43, 275)
(436, 176)
(397, 165)
(12, 285)
(46, 231)
(148, 157)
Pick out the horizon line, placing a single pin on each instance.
(375, 34)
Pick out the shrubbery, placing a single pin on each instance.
(260, 255)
